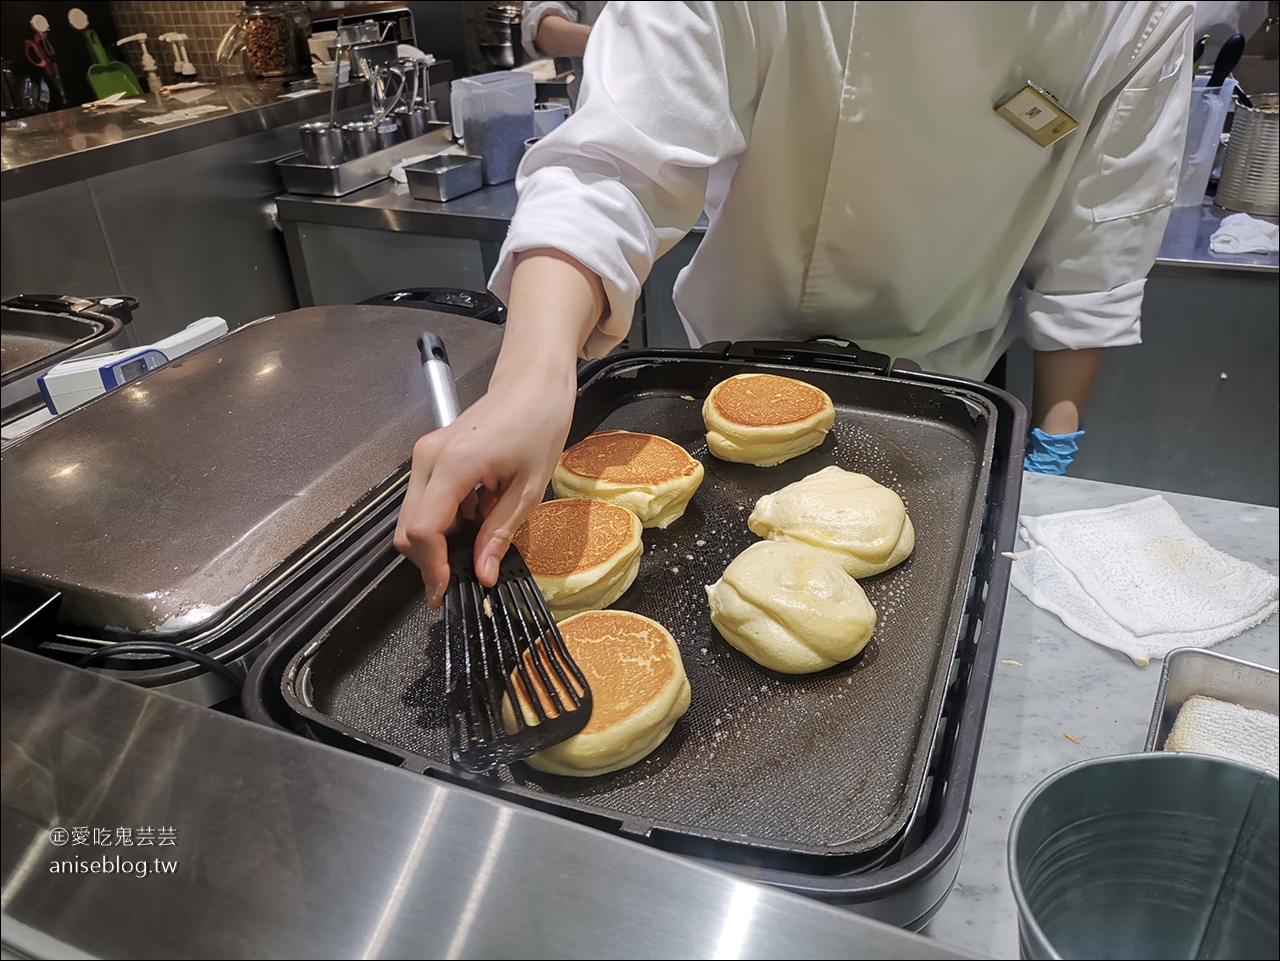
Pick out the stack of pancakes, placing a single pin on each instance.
(649, 475)
(764, 419)
(638, 686)
(583, 554)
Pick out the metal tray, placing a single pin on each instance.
(821, 774)
(440, 179)
(33, 339)
(344, 178)
(1189, 671)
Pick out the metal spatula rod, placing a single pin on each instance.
(498, 639)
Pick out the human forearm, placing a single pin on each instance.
(558, 37)
(1063, 379)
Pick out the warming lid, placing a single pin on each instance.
(166, 505)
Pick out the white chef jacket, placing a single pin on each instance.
(858, 181)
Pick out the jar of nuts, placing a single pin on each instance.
(270, 39)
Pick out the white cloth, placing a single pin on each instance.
(1242, 234)
(1135, 578)
(858, 180)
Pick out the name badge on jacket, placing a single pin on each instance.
(1034, 113)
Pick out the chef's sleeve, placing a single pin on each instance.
(531, 15)
(1085, 276)
(665, 91)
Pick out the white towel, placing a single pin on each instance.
(1242, 234)
(1135, 578)
(1223, 729)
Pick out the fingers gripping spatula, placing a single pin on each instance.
(500, 639)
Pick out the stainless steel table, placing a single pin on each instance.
(282, 847)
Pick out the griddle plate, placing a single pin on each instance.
(828, 764)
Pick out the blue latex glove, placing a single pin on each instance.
(1050, 453)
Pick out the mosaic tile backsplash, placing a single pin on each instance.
(204, 22)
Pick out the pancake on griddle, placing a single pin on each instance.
(582, 553)
(649, 475)
(861, 524)
(764, 419)
(638, 689)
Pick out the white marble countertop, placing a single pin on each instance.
(1068, 685)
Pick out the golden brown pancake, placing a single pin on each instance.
(764, 419)
(582, 553)
(767, 400)
(638, 687)
(644, 473)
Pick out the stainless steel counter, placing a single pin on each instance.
(1186, 244)
(52, 149)
(282, 847)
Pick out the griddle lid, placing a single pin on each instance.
(159, 507)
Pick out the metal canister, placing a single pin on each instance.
(1250, 179)
(321, 143)
(359, 137)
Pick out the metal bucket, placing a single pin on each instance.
(1148, 856)
(1250, 179)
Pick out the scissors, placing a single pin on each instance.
(40, 53)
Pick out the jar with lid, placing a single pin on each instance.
(271, 40)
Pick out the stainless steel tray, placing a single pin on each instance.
(339, 179)
(1189, 671)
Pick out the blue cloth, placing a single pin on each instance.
(1050, 453)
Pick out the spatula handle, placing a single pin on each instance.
(440, 386)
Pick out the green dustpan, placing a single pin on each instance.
(109, 76)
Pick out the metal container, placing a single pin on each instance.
(1250, 180)
(1148, 856)
(387, 132)
(1190, 671)
(336, 180)
(359, 139)
(412, 120)
(367, 57)
(443, 178)
(321, 143)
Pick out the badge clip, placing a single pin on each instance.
(1033, 112)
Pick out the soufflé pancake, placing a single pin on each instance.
(582, 553)
(764, 419)
(638, 688)
(649, 475)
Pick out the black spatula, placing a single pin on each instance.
(493, 633)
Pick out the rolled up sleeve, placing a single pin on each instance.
(620, 182)
(1084, 280)
(531, 18)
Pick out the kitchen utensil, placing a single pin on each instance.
(366, 57)
(1191, 671)
(1228, 59)
(1199, 51)
(1208, 114)
(443, 178)
(321, 143)
(1148, 856)
(106, 76)
(387, 132)
(413, 121)
(905, 716)
(494, 632)
(40, 52)
(1250, 180)
(215, 555)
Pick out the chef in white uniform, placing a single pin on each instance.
(860, 184)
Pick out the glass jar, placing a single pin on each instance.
(270, 39)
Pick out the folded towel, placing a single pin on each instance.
(1135, 578)
(1242, 234)
(1208, 726)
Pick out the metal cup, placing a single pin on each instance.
(387, 132)
(322, 143)
(413, 122)
(359, 137)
